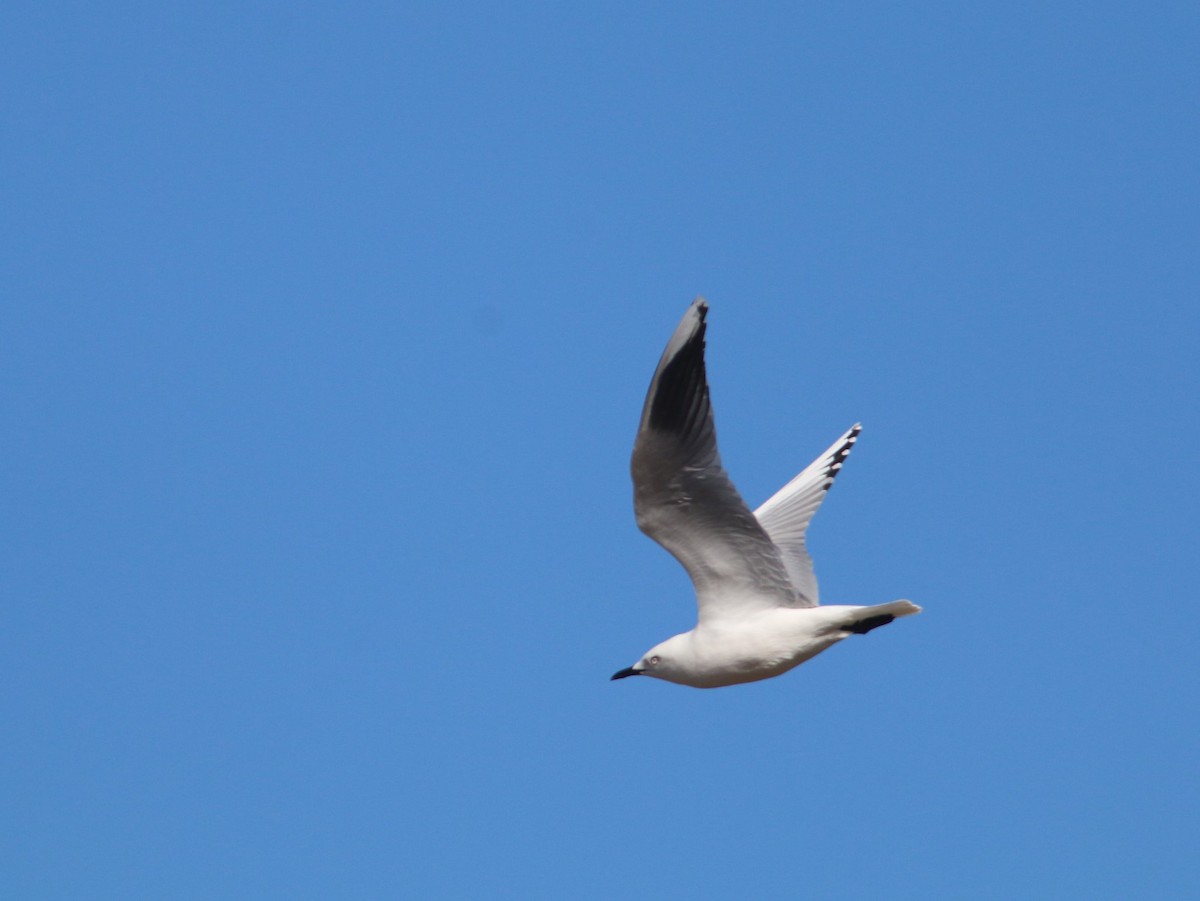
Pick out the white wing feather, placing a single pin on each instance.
(785, 517)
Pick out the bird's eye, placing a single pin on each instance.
(654, 661)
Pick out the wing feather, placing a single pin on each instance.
(682, 496)
(785, 517)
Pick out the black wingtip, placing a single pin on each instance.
(681, 394)
(840, 455)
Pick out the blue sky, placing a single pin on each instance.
(325, 336)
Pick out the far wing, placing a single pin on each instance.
(682, 496)
(785, 516)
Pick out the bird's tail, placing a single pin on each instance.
(864, 619)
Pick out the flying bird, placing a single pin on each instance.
(755, 588)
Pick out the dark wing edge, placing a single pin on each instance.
(677, 402)
(682, 496)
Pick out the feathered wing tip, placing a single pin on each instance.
(835, 457)
(677, 401)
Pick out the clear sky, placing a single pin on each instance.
(324, 336)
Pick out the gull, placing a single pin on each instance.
(756, 593)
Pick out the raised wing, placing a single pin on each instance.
(786, 515)
(682, 496)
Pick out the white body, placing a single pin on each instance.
(765, 644)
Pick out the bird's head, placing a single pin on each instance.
(663, 661)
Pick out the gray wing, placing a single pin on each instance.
(682, 496)
(786, 515)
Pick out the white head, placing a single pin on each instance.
(670, 660)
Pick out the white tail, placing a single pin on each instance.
(895, 608)
(863, 619)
